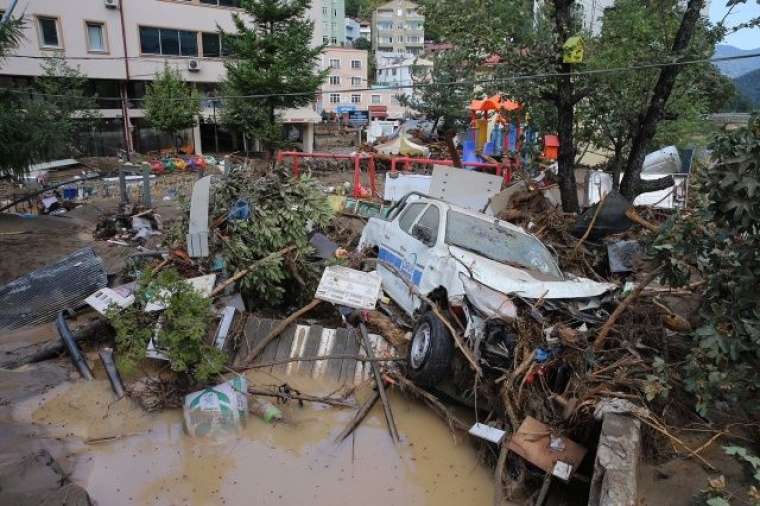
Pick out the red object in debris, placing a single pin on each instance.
(551, 147)
(156, 166)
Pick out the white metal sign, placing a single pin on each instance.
(349, 287)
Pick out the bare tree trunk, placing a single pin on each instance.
(452, 148)
(632, 184)
(565, 102)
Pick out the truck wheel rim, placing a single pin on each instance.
(420, 345)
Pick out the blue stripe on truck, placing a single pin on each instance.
(413, 272)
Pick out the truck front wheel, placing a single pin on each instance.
(430, 351)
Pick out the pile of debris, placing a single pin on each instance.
(480, 312)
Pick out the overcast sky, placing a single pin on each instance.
(745, 39)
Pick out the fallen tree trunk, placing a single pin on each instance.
(358, 417)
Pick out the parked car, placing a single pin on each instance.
(475, 265)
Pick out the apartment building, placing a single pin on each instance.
(399, 28)
(347, 89)
(329, 18)
(347, 72)
(352, 31)
(121, 44)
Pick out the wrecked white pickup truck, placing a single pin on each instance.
(476, 266)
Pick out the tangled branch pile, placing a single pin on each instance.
(256, 216)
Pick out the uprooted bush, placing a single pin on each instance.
(719, 242)
(274, 211)
(180, 331)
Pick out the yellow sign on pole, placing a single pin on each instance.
(572, 50)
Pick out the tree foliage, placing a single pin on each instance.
(181, 331)
(39, 123)
(720, 243)
(282, 211)
(171, 104)
(271, 59)
(635, 33)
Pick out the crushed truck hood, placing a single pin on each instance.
(513, 280)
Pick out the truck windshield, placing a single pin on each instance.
(499, 243)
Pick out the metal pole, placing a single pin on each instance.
(379, 381)
(216, 129)
(146, 187)
(123, 186)
(70, 342)
(106, 356)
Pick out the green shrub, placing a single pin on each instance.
(719, 242)
(181, 330)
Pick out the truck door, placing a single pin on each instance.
(406, 246)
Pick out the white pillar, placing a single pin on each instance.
(308, 138)
(197, 137)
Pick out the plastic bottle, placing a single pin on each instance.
(264, 410)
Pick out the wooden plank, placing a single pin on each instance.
(269, 352)
(284, 344)
(313, 337)
(297, 349)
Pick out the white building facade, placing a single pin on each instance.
(119, 45)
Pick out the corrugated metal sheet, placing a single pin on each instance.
(303, 341)
(38, 296)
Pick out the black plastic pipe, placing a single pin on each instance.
(106, 356)
(70, 342)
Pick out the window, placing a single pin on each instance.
(356, 64)
(356, 82)
(497, 242)
(334, 98)
(334, 40)
(223, 3)
(168, 42)
(334, 79)
(96, 37)
(429, 222)
(385, 26)
(356, 99)
(414, 39)
(324, 11)
(49, 36)
(393, 72)
(386, 40)
(325, 40)
(410, 215)
(375, 99)
(334, 63)
(213, 46)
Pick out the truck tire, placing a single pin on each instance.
(430, 352)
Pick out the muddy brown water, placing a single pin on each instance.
(289, 463)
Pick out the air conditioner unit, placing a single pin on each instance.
(111, 4)
(194, 65)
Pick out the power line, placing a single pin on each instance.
(503, 80)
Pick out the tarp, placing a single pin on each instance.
(401, 145)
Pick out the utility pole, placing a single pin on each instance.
(124, 87)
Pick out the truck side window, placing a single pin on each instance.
(430, 220)
(410, 216)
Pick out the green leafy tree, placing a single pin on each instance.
(439, 100)
(40, 123)
(271, 66)
(362, 43)
(634, 33)
(171, 105)
(719, 243)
